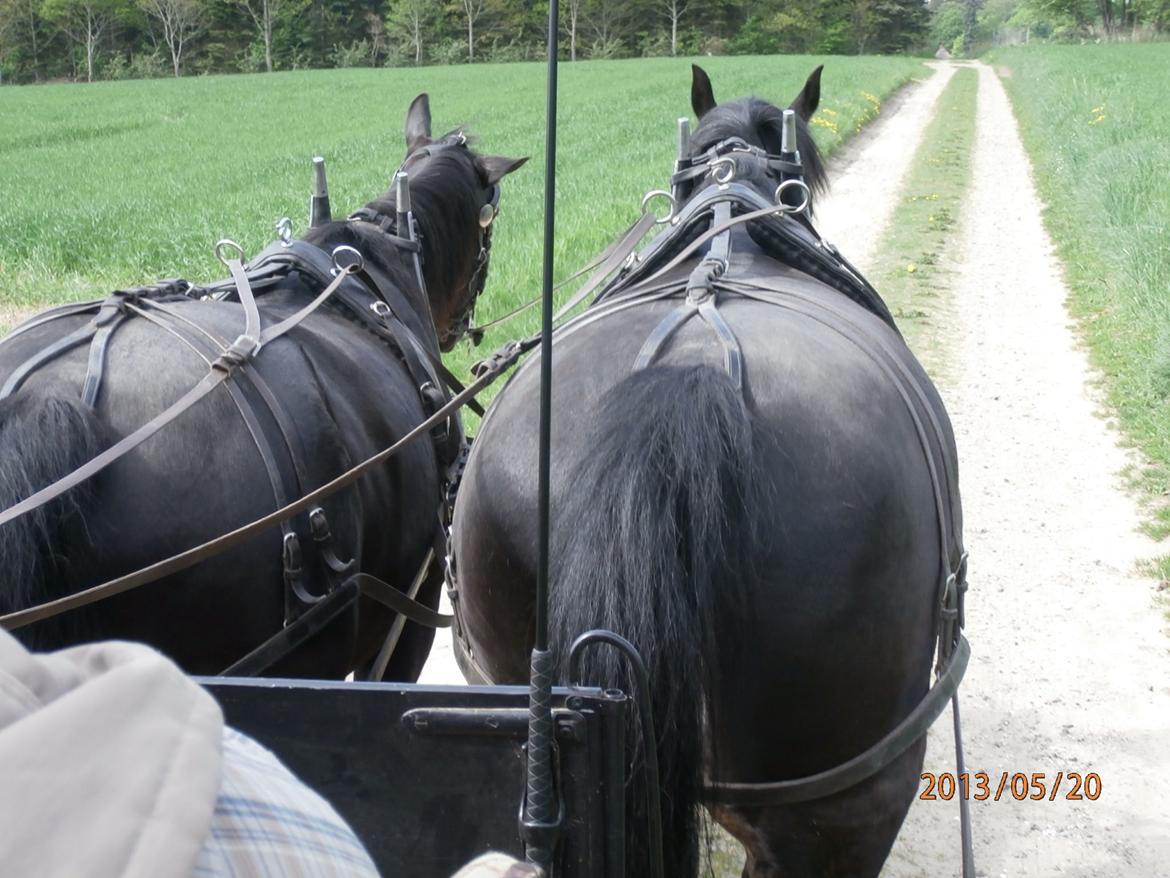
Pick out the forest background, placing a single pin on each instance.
(87, 40)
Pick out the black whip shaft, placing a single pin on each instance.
(540, 817)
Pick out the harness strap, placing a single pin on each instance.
(665, 329)
(293, 635)
(211, 380)
(500, 362)
(107, 322)
(617, 255)
(732, 353)
(71, 310)
(248, 301)
(857, 769)
(382, 660)
(384, 593)
(240, 351)
(60, 346)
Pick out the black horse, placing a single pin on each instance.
(753, 496)
(337, 387)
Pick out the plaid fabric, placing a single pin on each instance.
(267, 824)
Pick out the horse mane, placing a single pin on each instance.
(446, 192)
(760, 124)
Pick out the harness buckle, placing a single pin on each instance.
(241, 351)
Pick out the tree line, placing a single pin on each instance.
(45, 40)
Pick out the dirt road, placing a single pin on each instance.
(1071, 666)
(1071, 656)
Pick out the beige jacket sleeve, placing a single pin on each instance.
(109, 763)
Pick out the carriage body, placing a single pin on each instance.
(429, 777)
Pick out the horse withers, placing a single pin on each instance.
(754, 481)
(351, 377)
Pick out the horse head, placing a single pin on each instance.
(454, 195)
(759, 124)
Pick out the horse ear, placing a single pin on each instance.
(496, 167)
(702, 97)
(810, 96)
(418, 122)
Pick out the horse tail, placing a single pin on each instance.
(44, 437)
(655, 542)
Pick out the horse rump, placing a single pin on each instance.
(656, 544)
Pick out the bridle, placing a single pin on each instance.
(410, 238)
(734, 158)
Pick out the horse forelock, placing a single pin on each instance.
(761, 124)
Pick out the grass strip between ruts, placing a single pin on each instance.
(912, 270)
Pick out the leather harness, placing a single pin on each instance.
(360, 293)
(808, 276)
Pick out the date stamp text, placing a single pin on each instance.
(980, 786)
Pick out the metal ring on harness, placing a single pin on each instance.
(357, 261)
(225, 244)
(660, 193)
(778, 197)
(723, 169)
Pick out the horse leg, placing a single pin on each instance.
(847, 834)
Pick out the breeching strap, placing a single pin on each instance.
(241, 350)
(499, 363)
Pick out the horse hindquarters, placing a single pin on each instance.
(658, 548)
(45, 437)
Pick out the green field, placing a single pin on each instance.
(1096, 122)
(115, 183)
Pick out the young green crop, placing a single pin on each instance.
(119, 183)
(1096, 123)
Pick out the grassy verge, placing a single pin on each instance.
(121, 182)
(912, 271)
(1097, 126)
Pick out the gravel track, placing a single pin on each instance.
(1071, 661)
